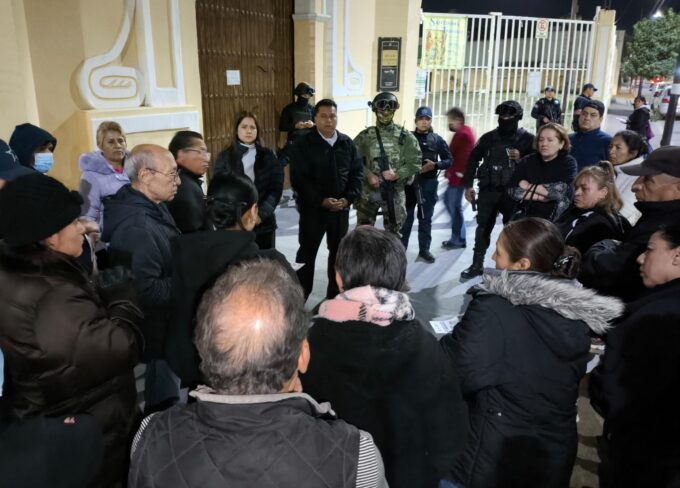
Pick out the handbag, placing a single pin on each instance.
(521, 210)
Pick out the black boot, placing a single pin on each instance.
(476, 269)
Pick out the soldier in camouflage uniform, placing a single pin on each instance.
(403, 152)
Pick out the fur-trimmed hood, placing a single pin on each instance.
(567, 298)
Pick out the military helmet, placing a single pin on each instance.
(304, 89)
(511, 108)
(384, 101)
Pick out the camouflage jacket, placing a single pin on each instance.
(405, 157)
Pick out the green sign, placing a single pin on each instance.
(444, 40)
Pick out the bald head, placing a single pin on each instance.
(250, 329)
(153, 171)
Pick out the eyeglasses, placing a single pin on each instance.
(198, 151)
(591, 115)
(173, 176)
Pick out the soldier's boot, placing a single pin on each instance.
(476, 269)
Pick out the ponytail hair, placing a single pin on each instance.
(229, 197)
(604, 176)
(539, 241)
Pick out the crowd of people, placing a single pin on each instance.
(140, 265)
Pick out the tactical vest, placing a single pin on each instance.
(428, 146)
(497, 169)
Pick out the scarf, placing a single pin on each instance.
(378, 306)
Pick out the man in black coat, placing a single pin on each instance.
(586, 95)
(139, 228)
(193, 159)
(327, 174)
(609, 266)
(638, 121)
(547, 109)
(500, 149)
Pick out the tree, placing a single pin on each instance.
(654, 47)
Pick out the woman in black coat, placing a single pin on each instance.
(520, 352)
(200, 258)
(380, 369)
(594, 215)
(541, 183)
(247, 156)
(635, 386)
(69, 347)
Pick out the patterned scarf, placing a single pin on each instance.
(378, 306)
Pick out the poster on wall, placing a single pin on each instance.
(389, 63)
(443, 43)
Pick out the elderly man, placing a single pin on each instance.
(139, 228)
(590, 144)
(610, 266)
(253, 426)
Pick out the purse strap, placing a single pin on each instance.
(532, 191)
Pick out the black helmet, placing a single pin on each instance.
(384, 101)
(511, 108)
(304, 89)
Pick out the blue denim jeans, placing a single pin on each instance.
(428, 188)
(453, 200)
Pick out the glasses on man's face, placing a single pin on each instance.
(590, 115)
(385, 105)
(201, 151)
(174, 175)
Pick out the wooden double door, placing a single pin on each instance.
(255, 39)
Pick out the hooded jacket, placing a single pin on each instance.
(66, 351)
(520, 352)
(99, 180)
(139, 232)
(26, 138)
(198, 260)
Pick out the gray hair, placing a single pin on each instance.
(250, 328)
(141, 157)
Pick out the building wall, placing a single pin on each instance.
(46, 42)
(336, 50)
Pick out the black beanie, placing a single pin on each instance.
(34, 207)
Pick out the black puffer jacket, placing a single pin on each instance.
(520, 351)
(611, 268)
(66, 352)
(268, 179)
(139, 233)
(583, 228)
(635, 390)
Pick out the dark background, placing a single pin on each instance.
(628, 12)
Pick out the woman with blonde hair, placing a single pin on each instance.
(594, 215)
(102, 169)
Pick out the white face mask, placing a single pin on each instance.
(43, 162)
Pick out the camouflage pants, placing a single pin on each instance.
(367, 211)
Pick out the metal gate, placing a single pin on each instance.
(503, 55)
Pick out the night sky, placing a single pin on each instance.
(627, 11)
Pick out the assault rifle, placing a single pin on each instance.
(386, 187)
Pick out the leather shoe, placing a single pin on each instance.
(472, 272)
(451, 245)
(426, 256)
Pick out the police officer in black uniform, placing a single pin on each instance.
(500, 149)
(547, 109)
(297, 118)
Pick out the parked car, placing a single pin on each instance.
(661, 102)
